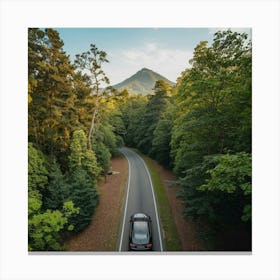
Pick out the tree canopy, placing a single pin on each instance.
(201, 129)
(70, 136)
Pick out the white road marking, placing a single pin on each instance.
(152, 187)
(127, 193)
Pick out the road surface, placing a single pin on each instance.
(139, 197)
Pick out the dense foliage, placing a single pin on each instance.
(44, 225)
(202, 130)
(70, 136)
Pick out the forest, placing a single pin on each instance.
(200, 129)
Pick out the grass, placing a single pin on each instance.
(172, 241)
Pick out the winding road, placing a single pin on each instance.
(140, 197)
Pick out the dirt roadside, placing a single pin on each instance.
(186, 230)
(102, 233)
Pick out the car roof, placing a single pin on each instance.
(139, 215)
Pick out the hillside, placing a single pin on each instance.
(142, 82)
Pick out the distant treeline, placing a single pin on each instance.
(200, 128)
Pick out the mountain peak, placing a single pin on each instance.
(144, 69)
(142, 82)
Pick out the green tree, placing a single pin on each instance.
(81, 156)
(132, 114)
(44, 228)
(102, 155)
(84, 101)
(106, 136)
(118, 127)
(232, 173)
(51, 108)
(44, 225)
(84, 195)
(91, 62)
(37, 179)
(155, 107)
(211, 133)
(57, 190)
(162, 137)
(199, 205)
(206, 200)
(65, 101)
(82, 178)
(214, 101)
(37, 172)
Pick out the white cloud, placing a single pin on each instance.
(150, 47)
(165, 61)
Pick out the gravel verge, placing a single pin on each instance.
(102, 233)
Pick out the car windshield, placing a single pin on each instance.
(140, 232)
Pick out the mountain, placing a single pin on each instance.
(142, 82)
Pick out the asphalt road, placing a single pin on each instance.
(139, 198)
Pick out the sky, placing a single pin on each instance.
(166, 51)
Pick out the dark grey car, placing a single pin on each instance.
(140, 233)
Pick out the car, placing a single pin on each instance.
(140, 233)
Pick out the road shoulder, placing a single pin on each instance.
(102, 233)
(171, 209)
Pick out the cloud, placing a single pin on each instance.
(150, 47)
(166, 61)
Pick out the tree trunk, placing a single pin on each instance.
(92, 128)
